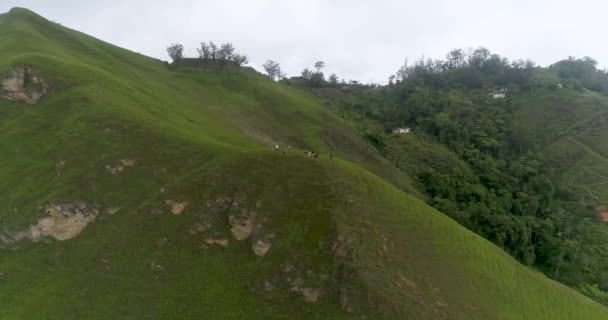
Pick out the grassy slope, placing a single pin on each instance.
(201, 136)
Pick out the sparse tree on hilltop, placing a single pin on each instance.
(212, 50)
(317, 79)
(175, 51)
(240, 60)
(225, 52)
(319, 65)
(204, 52)
(273, 70)
(306, 74)
(222, 55)
(333, 79)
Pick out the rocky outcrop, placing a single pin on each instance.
(64, 220)
(310, 295)
(119, 167)
(216, 240)
(242, 224)
(177, 208)
(21, 84)
(262, 246)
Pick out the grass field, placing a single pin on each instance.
(348, 241)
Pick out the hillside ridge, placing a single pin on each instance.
(146, 192)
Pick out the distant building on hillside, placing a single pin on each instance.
(498, 93)
(560, 86)
(402, 130)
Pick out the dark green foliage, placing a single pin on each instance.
(175, 51)
(584, 72)
(504, 190)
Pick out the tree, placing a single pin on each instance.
(225, 52)
(333, 79)
(204, 52)
(175, 51)
(273, 70)
(317, 79)
(319, 65)
(306, 74)
(403, 71)
(240, 60)
(212, 50)
(455, 59)
(281, 75)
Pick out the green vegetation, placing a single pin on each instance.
(345, 236)
(484, 160)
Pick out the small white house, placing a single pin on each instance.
(402, 130)
(560, 86)
(499, 93)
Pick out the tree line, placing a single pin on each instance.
(208, 51)
(314, 78)
(225, 53)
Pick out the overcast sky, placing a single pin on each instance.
(358, 39)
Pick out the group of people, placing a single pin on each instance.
(276, 147)
(308, 153)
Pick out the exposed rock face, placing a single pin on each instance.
(127, 162)
(263, 245)
(242, 224)
(310, 295)
(217, 240)
(113, 210)
(65, 220)
(20, 84)
(117, 168)
(200, 227)
(177, 208)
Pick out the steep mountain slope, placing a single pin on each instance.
(135, 191)
(570, 127)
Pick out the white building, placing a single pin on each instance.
(499, 93)
(402, 130)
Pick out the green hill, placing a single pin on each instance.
(133, 191)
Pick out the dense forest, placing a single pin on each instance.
(498, 184)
